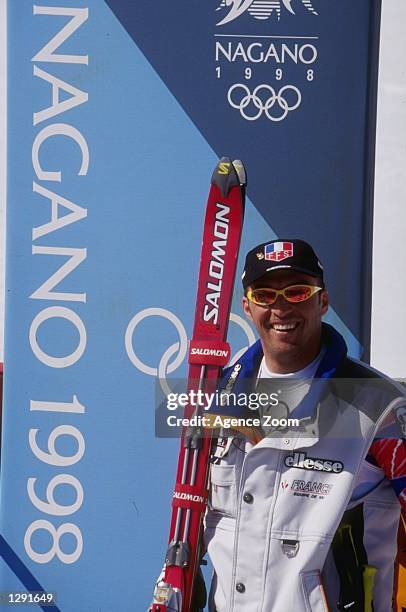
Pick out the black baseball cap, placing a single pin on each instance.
(281, 254)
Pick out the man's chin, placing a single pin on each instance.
(285, 354)
(284, 349)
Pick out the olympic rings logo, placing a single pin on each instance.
(174, 355)
(264, 103)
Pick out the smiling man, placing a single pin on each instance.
(288, 324)
(279, 495)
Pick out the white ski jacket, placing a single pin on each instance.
(276, 506)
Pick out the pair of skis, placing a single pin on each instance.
(208, 353)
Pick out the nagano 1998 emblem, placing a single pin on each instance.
(260, 9)
(257, 68)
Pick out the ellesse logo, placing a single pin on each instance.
(303, 462)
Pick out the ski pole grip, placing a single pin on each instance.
(209, 352)
(189, 496)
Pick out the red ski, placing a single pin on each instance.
(208, 353)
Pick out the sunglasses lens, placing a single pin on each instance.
(263, 297)
(293, 294)
(298, 293)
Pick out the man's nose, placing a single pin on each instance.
(281, 305)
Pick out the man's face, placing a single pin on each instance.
(290, 333)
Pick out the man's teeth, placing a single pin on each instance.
(284, 326)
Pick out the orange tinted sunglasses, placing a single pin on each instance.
(294, 294)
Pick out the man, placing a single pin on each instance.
(278, 494)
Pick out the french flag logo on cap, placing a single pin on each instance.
(276, 251)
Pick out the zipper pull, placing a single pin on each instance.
(290, 547)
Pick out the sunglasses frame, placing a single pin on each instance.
(278, 292)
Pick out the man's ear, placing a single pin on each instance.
(246, 307)
(324, 301)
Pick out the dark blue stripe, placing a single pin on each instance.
(398, 484)
(371, 459)
(22, 572)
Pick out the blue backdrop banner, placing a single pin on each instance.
(118, 112)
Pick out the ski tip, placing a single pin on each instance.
(228, 174)
(241, 172)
